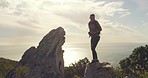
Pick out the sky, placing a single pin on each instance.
(27, 21)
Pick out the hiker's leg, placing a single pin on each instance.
(93, 48)
(94, 42)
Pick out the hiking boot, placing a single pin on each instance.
(94, 61)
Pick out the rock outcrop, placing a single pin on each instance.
(99, 70)
(46, 61)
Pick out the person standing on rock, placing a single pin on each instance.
(94, 33)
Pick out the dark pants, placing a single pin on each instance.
(94, 42)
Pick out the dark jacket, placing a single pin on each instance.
(94, 26)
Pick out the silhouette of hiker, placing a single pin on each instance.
(94, 33)
(11, 74)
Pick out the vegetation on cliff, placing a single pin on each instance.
(7, 65)
(136, 64)
(76, 70)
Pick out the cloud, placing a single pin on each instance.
(115, 26)
(39, 17)
(4, 4)
(79, 15)
(102, 8)
(142, 4)
(111, 8)
(146, 13)
(69, 9)
(10, 31)
(30, 23)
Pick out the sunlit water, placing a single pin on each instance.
(107, 52)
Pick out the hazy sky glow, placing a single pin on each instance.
(27, 21)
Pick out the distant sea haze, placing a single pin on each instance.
(107, 52)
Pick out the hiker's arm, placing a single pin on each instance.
(90, 32)
(99, 26)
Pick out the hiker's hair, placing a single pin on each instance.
(92, 14)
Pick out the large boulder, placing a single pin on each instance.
(46, 61)
(99, 70)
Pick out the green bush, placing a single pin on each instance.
(137, 63)
(118, 72)
(7, 65)
(145, 75)
(76, 70)
(22, 71)
(75, 76)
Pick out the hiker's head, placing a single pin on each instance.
(92, 17)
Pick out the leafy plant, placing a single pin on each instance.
(137, 63)
(7, 65)
(76, 70)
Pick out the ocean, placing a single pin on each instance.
(107, 52)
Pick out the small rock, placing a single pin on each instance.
(99, 70)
